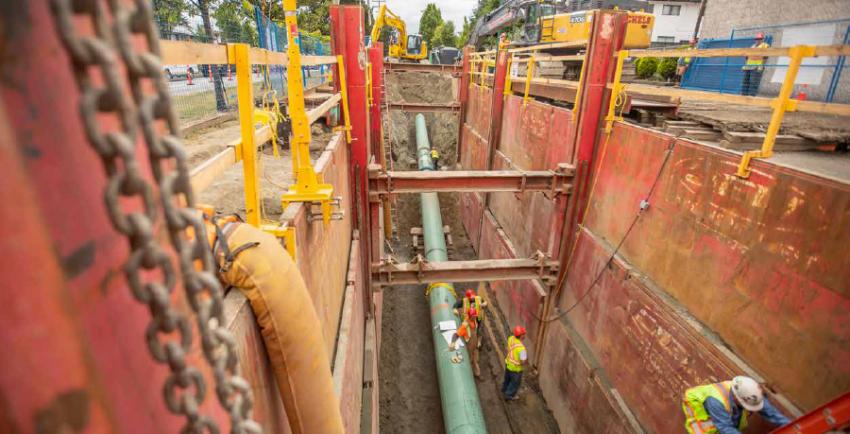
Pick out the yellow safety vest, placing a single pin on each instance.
(759, 60)
(697, 420)
(476, 305)
(515, 348)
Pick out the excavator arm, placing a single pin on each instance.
(400, 48)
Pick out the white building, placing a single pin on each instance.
(674, 21)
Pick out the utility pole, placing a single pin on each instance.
(699, 19)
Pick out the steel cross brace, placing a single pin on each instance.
(424, 107)
(389, 272)
(551, 182)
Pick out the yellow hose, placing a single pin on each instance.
(289, 324)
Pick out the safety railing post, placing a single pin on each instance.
(238, 54)
(781, 104)
(343, 88)
(577, 102)
(507, 90)
(616, 88)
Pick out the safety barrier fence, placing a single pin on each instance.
(780, 104)
(202, 83)
(260, 111)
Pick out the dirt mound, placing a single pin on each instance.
(419, 87)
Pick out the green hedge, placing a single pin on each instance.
(645, 67)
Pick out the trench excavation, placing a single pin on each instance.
(411, 400)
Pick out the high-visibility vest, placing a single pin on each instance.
(476, 305)
(515, 348)
(758, 60)
(697, 420)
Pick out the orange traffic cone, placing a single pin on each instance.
(189, 77)
(802, 94)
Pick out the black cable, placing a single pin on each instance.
(644, 206)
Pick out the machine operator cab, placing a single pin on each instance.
(532, 17)
(414, 45)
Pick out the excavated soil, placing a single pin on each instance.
(409, 389)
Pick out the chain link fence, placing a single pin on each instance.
(201, 91)
(819, 79)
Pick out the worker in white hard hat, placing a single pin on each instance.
(723, 407)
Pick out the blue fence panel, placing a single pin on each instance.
(718, 74)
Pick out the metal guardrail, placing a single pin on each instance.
(780, 104)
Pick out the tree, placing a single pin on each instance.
(169, 14)
(465, 31)
(431, 18)
(445, 35)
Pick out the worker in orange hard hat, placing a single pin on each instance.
(468, 330)
(754, 68)
(514, 361)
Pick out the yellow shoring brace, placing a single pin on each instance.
(369, 85)
(616, 88)
(288, 235)
(238, 53)
(781, 104)
(308, 186)
(471, 72)
(507, 92)
(342, 89)
(528, 74)
(577, 102)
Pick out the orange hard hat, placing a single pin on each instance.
(760, 35)
(470, 293)
(519, 331)
(472, 312)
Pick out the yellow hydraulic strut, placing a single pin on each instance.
(308, 186)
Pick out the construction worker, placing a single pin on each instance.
(514, 361)
(723, 407)
(470, 300)
(468, 330)
(503, 41)
(754, 68)
(435, 157)
(684, 63)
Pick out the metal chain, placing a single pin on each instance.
(96, 59)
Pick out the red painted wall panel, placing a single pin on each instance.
(759, 260)
(519, 300)
(471, 211)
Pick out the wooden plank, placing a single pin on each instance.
(314, 114)
(571, 58)
(822, 107)
(261, 56)
(748, 137)
(713, 52)
(207, 172)
(308, 60)
(701, 134)
(192, 53)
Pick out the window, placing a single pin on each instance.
(671, 10)
(667, 39)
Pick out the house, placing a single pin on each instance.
(674, 21)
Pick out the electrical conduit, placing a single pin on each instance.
(461, 407)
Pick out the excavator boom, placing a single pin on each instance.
(402, 45)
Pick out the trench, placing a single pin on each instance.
(409, 388)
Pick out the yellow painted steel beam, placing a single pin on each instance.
(507, 91)
(577, 102)
(308, 186)
(782, 103)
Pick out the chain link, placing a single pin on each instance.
(99, 60)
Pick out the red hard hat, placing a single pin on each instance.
(472, 312)
(760, 35)
(519, 331)
(470, 293)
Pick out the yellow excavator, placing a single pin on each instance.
(401, 45)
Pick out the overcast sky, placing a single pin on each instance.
(411, 10)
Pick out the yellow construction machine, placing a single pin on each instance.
(400, 45)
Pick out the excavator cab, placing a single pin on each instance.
(414, 44)
(534, 13)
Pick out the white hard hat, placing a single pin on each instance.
(748, 392)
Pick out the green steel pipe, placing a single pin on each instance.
(461, 408)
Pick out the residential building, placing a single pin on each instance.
(674, 21)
